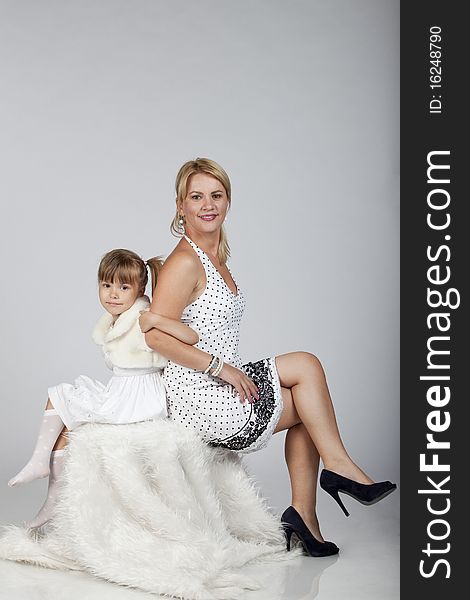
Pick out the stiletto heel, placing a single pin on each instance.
(334, 494)
(294, 524)
(365, 493)
(288, 531)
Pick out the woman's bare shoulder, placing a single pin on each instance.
(182, 258)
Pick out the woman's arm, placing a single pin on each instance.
(178, 330)
(177, 283)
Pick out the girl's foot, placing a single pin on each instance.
(38, 465)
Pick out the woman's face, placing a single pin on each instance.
(205, 205)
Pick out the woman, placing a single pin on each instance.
(286, 392)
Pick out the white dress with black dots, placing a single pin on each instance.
(207, 403)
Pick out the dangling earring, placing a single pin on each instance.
(181, 224)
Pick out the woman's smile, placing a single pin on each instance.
(206, 200)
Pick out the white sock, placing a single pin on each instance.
(38, 464)
(47, 510)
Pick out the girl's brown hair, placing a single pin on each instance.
(126, 266)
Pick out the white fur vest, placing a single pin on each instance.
(124, 343)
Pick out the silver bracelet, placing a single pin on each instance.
(211, 364)
(215, 365)
(219, 368)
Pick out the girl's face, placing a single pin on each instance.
(117, 297)
(205, 205)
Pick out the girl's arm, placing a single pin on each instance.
(178, 330)
(177, 282)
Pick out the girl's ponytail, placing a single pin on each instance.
(155, 265)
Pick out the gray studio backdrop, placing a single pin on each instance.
(103, 100)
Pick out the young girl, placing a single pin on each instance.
(134, 393)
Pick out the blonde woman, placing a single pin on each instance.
(240, 406)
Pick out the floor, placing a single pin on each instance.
(367, 567)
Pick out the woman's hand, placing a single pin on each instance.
(243, 385)
(147, 320)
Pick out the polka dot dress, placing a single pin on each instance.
(207, 403)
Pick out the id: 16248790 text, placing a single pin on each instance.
(435, 69)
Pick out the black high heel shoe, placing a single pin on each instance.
(294, 524)
(365, 493)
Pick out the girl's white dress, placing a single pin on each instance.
(134, 393)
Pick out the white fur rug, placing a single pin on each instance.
(150, 506)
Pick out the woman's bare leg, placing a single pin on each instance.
(302, 460)
(303, 375)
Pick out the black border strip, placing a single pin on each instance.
(423, 247)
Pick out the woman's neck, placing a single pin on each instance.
(208, 242)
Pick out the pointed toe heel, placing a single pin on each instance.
(364, 493)
(294, 526)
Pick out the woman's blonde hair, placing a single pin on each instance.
(202, 165)
(126, 266)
